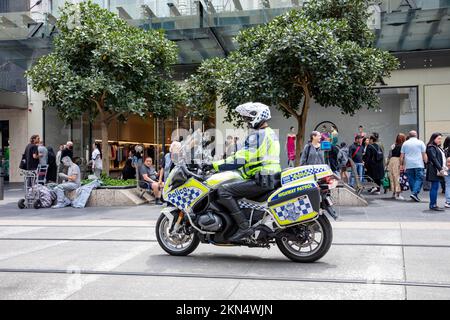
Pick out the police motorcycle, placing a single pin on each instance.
(292, 215)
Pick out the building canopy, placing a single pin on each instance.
(205, 29)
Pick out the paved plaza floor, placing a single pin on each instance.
(389, 250)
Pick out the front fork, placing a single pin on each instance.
(177, 225)
(172, 214)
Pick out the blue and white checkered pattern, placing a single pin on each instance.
(251, 205)
(294, 210)
(303, 173)
(184, 197)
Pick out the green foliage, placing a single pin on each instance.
(201, 89)
(323, 51)
(111, 182)
(102, 65)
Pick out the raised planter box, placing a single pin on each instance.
(114, 197)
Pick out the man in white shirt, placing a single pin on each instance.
(412, 159)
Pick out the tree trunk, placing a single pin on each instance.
(301, 128)
(299, 141)
(301, 118)
(105, 147)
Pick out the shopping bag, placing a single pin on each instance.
(386, 182)
(404, 185)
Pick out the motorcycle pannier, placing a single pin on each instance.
(295, 202)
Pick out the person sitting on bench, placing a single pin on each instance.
(71, 180)
(148, 179)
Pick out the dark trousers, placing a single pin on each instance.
(434, 193)
(230, 192)
(378, 183)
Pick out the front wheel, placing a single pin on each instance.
(176, 244)
(307, 242)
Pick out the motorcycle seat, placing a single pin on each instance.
(263, 197)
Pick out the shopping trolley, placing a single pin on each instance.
(32, 179)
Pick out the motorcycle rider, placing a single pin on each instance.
(258, 162)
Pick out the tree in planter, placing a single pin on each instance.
(322, 52)
(202, 89)
(103, 67)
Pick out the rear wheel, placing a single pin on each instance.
(175, 244)
(307, 242)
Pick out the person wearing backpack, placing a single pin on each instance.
(375, 163)
(312, 154)
(356, 153)
(342, 160)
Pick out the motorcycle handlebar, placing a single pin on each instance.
(190, 173)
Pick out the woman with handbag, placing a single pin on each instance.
(436, 168)
(394, 167)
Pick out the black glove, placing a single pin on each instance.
(207, 167)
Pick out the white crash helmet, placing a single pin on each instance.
(254, 113)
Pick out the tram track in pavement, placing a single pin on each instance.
(405, 283)
(224, 276)
(412, 245)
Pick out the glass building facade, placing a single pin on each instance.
(418, 32)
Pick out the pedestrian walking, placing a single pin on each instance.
(312, 154)
(342, 158)
(356, 153)
(436, 168)
(393, 166)
(375, 163)
(412, 159)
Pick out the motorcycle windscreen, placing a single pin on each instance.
(294, 203)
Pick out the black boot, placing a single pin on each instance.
(244, 230)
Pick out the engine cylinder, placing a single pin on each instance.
(210, 222)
